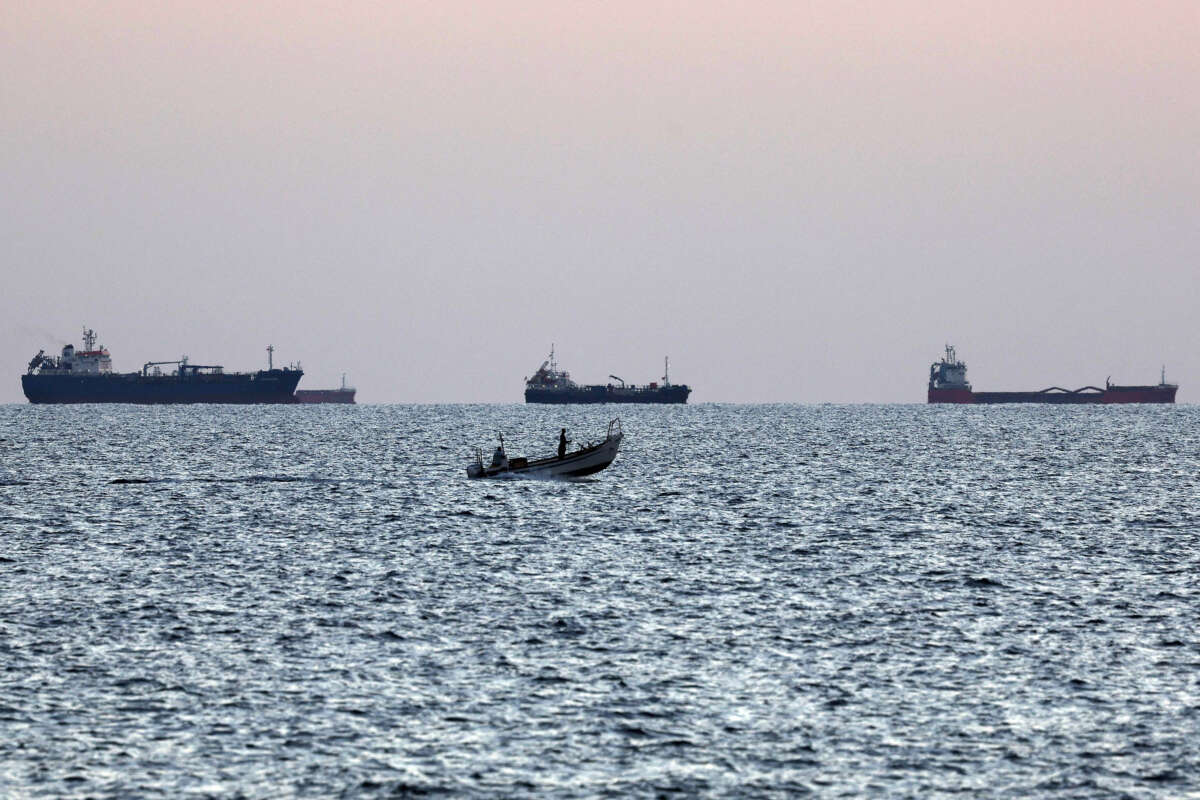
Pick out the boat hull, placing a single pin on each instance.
(1055, 396)
(579, 464)
(344, 396)
(586, 395)
(265, 386)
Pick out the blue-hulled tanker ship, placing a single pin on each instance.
(86, 376)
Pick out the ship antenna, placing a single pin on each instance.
(270, 357)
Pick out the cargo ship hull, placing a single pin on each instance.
(266, 386)
(343, 396)
(1055, 396)
(608, 394)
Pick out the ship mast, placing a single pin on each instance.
(270, 357)
(666, 370)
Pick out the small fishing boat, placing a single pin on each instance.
(584, 461)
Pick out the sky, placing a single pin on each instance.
(795, 201)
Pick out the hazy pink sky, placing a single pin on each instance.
(796, 201)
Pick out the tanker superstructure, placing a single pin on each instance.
(948, 384)
(552, 385)
(86, 376)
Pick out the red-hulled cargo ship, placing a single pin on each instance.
(948, 384)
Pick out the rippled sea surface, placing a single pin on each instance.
(903, 601)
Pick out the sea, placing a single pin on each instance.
(752, 601)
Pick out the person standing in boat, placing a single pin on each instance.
(500, 458)
(563, 441)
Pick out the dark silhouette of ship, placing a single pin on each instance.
(948, 384)
(86, 376)
(552, 385)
